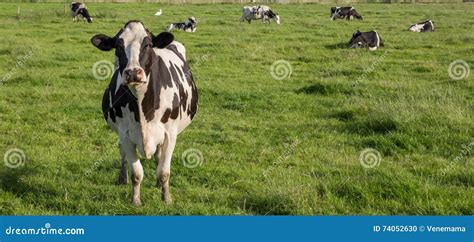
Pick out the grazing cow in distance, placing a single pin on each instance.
(344, 12)
(79, 10)
(426, 26)
(262, 12)
(149, 101)
(188, 26)
(370, 39)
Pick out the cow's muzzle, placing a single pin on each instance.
(134, 76)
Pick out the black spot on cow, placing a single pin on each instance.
(175, 110)
(120, 99)
(166, 115)
(160, 77)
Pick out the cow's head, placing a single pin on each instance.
(85, 14)
(356, 14)
(274, 16)
(413, 28)
(192, 20)
(134, 52)
(357, 40)
(333, 12)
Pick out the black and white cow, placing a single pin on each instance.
(188, 26)
(262, 12)
(149, 101)
(370, 39)
(344, 12)
(426, 26)
(79, 10)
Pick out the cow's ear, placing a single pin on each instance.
(103, 42)
(162, 40)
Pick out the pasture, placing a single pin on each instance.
(269, 146)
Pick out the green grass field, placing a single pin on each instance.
(269, 146)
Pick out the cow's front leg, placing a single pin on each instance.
(164, 166)
(123, 176)
(136, 170)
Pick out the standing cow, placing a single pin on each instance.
(344, 12)
(150, 99)
(79, 10)
(262, 12)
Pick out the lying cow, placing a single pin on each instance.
(344, 12)
(426, 26)
(150, 99)
(262, 12)
(79, 11)
(188, 26)
(370, 39)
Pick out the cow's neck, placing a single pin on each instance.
(139, 92)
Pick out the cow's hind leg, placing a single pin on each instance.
(164, 166)
(123, 176)
(135, 168)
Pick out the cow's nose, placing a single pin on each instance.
(133, 74)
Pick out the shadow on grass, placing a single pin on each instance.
(267, 204)
(15, 181)
(373, 125)
(337, 46)
(325, 89)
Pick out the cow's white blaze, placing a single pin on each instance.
(133, 36)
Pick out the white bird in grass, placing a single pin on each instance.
(158, 13)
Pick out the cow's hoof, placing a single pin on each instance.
(166, 198)
(122, 180)
(136, 202)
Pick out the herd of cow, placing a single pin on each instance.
(152, 96)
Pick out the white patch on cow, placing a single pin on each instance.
(432, 25)
(416, 28)
(377, 43)
(378, 38)
(133, 36)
